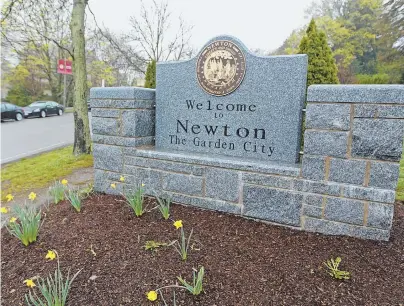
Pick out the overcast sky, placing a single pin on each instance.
(262, 24)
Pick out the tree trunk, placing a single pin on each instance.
(82, 139)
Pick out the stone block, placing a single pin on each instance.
(328, 116)
(384, 175)
(326, 143)
(312, 211)
(313, 167)
(268, 180)
(326, 227)
(347, 171)
(108, 157)
(121, 104)
(270, 98)
(105, 126)
(164, 165)
(370, 194)
(222, 184)
(344, 210)
(327, 188)
(370, 233)
(274, 205)
(182, 183)
(123, 141)
(379, 111)
(105, 112)
(136, 176)
(380, 215)
(139, 93)
(138, 123)
(356, 93)
(377, 139)
(205, 203)
(313, 200)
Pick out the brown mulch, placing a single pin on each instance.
(246, 262)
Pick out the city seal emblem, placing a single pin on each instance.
(220, 68)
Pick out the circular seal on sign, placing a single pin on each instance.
(220, 68)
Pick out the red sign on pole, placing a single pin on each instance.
(65, 66)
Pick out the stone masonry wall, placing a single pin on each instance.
(344, 186)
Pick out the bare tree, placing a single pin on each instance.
(151, 29)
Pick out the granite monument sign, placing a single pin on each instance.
(227, 101)
(222, 131)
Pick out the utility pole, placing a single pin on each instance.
(64, 81)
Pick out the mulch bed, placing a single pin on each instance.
(246, 262)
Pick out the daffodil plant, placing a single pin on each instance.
(182, 246)
(25, 225)
(74, 198)
(135, 200)
(57, 191)
(54, 290)
(164, 206)
(196, 287)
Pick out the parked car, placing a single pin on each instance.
(43, 108)
(11, 111)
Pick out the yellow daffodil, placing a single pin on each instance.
(151, 295)
(178, 224)
(64, 182)
(32, 196)
(51, 255)
(30, 283)
(13, 219)
(9, 197)
(122, 178)
(143, 185)
(3, 210)
(113, 185)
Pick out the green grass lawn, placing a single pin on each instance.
(400, 187)
(41, 170)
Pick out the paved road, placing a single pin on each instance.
(35, 135)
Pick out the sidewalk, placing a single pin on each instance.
(79, 178)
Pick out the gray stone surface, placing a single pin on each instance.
(369, 233)
(347, 171)
(123, 141)
(105, 126)
(377, 139)
(380, 215)
(107, 157)
(344, 210)
(206, 203)
(356, 93)
(328, 116)
(274, 86)
(164, 165)
(122, 93)
(222, 184)
(384, 175)
(121, 104)
(327, 227)
(182, 183)
(219, 161)
(313, 167)
(326, 143)
(327, 188)
(313, 200)
(379, 111)
(312, 211)
(138, 123)
(369, 193)
(272, 204)
(268, 180)
(105, 112)
(136, 176)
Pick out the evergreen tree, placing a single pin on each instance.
(322, 68)
(150, 81)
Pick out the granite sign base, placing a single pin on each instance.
(345, 184)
